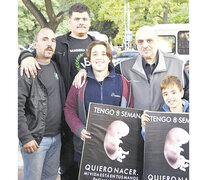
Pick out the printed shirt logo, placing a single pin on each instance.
(77, 61)
(77, 50)
(56, 76)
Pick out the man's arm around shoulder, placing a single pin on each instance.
(28, 63)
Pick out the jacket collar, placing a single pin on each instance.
(161, 66)
(111, 72)
(184, 102)
(186, 105)
(138, 67)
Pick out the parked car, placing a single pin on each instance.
(99, 36)
(174, 39)
(124, 56)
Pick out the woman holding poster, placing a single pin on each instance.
(103, 86)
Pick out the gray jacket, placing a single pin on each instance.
(148, 95)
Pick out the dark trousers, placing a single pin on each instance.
(68, 167)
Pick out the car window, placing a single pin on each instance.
(167, 43)
(134, 53)
(127, 54)
(183, 42)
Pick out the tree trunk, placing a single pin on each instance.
(36, 13)
(54, 20)
(165, 14)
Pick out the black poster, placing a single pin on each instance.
(112, 152)
(166, 154)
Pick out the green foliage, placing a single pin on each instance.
(180, 15)
(28, 25)
(105, 27)
(142, 12)
(107, 16)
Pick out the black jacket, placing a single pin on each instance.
(61, 57)
(32, 106)
(63, 61)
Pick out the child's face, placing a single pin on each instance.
(172, 96)
(99, 58)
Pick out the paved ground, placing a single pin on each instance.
(20, 166)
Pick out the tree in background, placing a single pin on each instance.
(143, 12)
(33, 15)
(107, 16)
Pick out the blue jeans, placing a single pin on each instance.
(43, 164)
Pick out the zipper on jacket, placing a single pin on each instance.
(151, 91)
(102, 91)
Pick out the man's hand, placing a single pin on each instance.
(29, 65)
(31, 146)
(82, 74)
(85, 134)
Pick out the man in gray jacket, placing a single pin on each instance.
(146, 71)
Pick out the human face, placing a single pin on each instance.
(99, 59)
(79, 23)
(45, 44)
(172, 96)
(147, 43)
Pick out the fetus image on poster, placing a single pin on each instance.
(112, 140)
(175, 138)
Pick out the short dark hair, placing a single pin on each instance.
(94, 43)
(79, 7)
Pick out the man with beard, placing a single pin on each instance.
(39, 118)
(70, 56)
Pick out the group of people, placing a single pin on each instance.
(72, 70)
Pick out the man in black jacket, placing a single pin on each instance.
(70, 56)
(39, 119)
